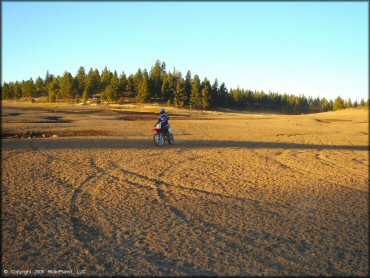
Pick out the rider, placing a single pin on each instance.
(163, 119)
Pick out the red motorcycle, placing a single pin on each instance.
(163, 134)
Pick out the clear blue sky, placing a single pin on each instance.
(310, 48)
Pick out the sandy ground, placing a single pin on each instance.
(238, 194)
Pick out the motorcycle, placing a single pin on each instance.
(163, 134)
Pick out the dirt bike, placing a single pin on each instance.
(162, 134)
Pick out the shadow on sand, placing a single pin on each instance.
(107, 143)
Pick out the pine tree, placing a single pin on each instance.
(180, 94)
(206, 93)
(168, 88)
(131, 85)
(48, 78)
(88, 92)
(105, 78)
(111, 91)
(223, 96)
(144, 91)
(138, 77)
(214, 93)
(156, 79)
(80, 82)
(66, 86)
(53, 90)
(92, 84)
(338, 104)
(163, 67)
(196, 97)
(123, 82)
(28, 88)
(206, 97)
(40, 88)
(176, 77)
(97, 82)
(165, 89)
(188, 81)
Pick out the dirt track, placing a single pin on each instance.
(238, 194)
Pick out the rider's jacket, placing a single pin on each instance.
(164, 118)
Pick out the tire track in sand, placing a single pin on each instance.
(197, 222)
(89, 227)
(99, 235)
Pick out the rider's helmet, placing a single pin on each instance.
(162, 111)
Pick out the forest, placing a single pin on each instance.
(163, 86)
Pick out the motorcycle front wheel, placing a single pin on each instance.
(158, 139)
(171, 140)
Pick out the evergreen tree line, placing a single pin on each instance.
(161, 85)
